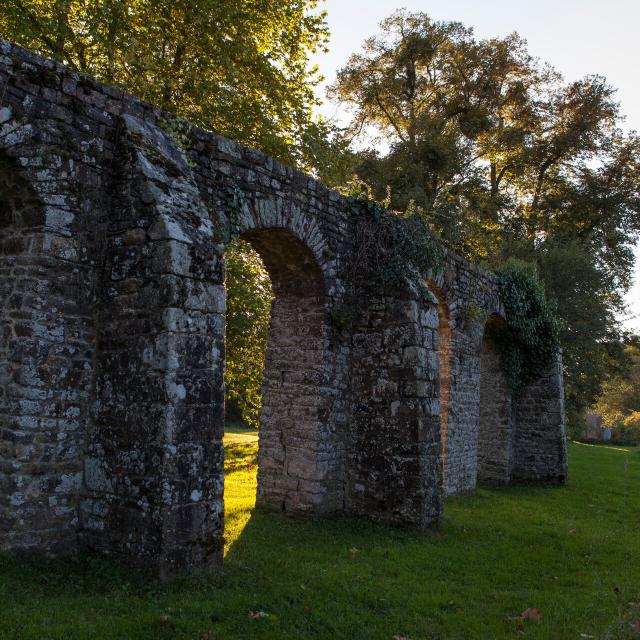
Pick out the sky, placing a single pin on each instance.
(578, 37)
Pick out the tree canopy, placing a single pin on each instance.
(237, 67)
(504, 158)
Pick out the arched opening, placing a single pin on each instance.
(28, 374)
(495, 435)
(293, 468)
(445, 353)
(21, 219)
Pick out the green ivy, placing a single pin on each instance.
(391, 250)
(234, 200)
(180, 130)
(532, 343)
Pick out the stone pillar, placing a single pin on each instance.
(45, 355)
(540, 443)
(154, 469)
(495, 432)
(394, 455)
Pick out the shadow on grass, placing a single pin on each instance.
(573, 552)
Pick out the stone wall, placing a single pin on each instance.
(539, 438)
(152, 475)
(112, 314)
(495, 441)
(394, 462)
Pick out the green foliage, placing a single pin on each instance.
(504, 158)
(587, 329)
(180, 130)
(532, 343)
(619, 402)
(628, 431)
(249, 296)
(239, 68)
(573, 552)
(233, 207)
(391, 250)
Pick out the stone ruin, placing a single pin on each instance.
(112, 320)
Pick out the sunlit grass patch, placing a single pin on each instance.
(241, 466)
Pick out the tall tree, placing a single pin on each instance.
(504, 158)
(248, 309)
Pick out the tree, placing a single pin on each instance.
(239, 68)
(247, 330)
(619, 402)
(505, 159)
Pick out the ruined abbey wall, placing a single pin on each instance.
(112, 320)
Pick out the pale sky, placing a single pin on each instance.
(578, 37)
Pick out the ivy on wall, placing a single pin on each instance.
(532, 343)
(391, 250)
(234, 201)
(179, 129)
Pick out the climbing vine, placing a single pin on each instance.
(234, 200)
(391, 251)
(394, 249)
(180, 130)
(532, 341)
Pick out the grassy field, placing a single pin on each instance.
(572, 552)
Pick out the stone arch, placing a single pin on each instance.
(112, 393)
(495, 430)
(297, 466)
(445, 360)
(32, 378)
(48, 251)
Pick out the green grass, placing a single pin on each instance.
(573, 552)
(241, 453)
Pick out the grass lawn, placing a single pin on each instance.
(572, 552)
